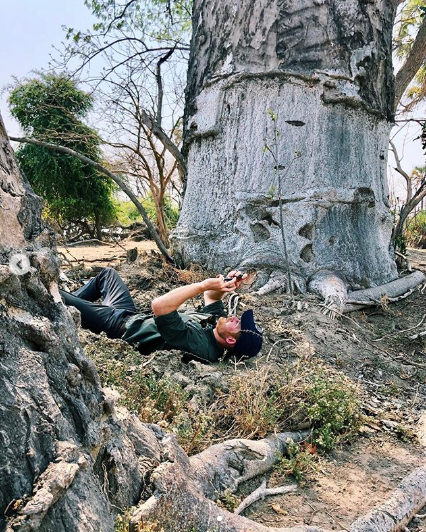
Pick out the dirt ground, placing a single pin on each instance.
(373, 347)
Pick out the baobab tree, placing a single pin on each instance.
(323, 69)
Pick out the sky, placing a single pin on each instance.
(28, 31)
(30, 28)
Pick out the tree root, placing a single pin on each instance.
(393, 291)
(262, 492)
(184, 489)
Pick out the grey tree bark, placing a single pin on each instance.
(324, 68)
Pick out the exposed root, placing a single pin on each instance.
(332, 289)
(278, 280)
(262, 492)
(395, 290)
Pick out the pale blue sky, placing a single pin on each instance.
(30, 28)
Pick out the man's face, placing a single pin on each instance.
(228, 327)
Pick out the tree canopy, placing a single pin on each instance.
(51, 108)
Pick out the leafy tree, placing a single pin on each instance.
(51, 108)
(135, 57)
(410, 47)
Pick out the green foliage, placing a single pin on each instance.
(333, 408)
(228, 500)
(51, 108)
(170, 210)
(162, 20)
(298, 462)
(415, 231)
(127, 213)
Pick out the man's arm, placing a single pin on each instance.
(175, 298)
(210, 296)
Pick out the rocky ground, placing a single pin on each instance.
(374, 348)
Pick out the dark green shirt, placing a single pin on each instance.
(189, 331)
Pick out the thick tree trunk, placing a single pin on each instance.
(324, 67)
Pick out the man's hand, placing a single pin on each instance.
(217, 287)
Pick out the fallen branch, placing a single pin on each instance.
(90, 241)
(395, 290)
(260, 493)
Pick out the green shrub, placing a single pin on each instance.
(127, 213)
(333, 408)
(415, 232)
(298, 462)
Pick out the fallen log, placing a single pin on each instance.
(395, 290)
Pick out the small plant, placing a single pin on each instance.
(122, 524)
(272, 149)
(300, 461)
(228, 501)
(193, 430)
(333, 407)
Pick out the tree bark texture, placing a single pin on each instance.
(66, 463)
(324, 68)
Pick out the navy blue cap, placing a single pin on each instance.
(250, 341)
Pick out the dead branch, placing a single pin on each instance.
(369, 297)
(90, 241)
(260, 493)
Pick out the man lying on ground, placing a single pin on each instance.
(207, 334)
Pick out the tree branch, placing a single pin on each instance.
(159, 80)
(120, 183)
(165, 139)
(400, 170)
(412, 64)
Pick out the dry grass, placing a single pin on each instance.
(261, 402)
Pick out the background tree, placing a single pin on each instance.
(135, 59)
(51, 108)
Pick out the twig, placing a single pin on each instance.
(276, 343)
(70, 244)
(336, 520)
(418, 335)
(403, 331)
(261, 492)
(148, 361)
(72, 256)
(118, 244)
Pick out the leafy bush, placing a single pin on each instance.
(127, 213)
(333, 408)
(415, 232)
(299, 461)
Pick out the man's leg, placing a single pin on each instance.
(109, 286)
(96, 318)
